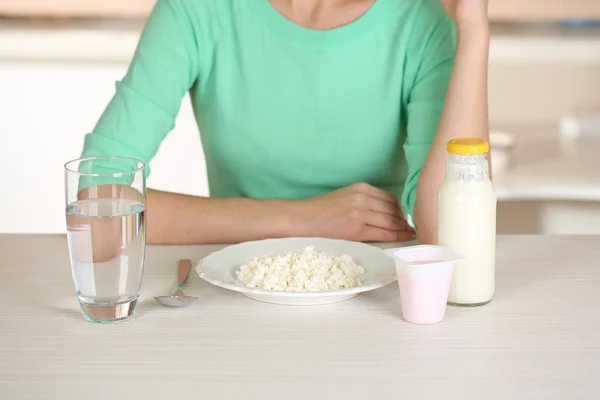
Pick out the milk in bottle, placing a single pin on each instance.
(467, 221)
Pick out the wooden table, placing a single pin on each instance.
(538, 339)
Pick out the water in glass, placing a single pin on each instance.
(107, 244)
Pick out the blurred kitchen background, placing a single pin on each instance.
(59, 61)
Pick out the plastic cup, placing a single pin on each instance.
(424, 277)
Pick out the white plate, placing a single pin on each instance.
(219, 269)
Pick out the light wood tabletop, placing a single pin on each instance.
(538, 339)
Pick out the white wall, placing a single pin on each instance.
(45, 110)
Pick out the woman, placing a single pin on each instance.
(317, 117)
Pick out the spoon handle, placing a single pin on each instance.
(183, 271)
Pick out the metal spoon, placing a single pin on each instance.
(179, 299)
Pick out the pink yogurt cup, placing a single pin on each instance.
(424, 277)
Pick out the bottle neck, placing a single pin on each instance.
(467, 168)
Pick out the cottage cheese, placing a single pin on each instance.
(308, 270)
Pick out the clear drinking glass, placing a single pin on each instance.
(106, 231)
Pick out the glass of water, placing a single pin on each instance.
(106, 231)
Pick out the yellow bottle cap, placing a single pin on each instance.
(468, 146)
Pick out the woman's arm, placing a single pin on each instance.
(174, 218)
(358, 212)
(465, 112)
(148, 98)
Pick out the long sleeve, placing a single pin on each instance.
(147, 100)
(426, 101)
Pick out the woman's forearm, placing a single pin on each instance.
(181, 219)
(358, 212)
(465, 114)
(174, 218)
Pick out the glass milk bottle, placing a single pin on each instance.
(467, 221)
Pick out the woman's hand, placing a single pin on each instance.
(359, 212)
(467, 12)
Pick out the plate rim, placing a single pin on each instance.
(264, 292)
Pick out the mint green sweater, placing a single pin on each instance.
(284, 111)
